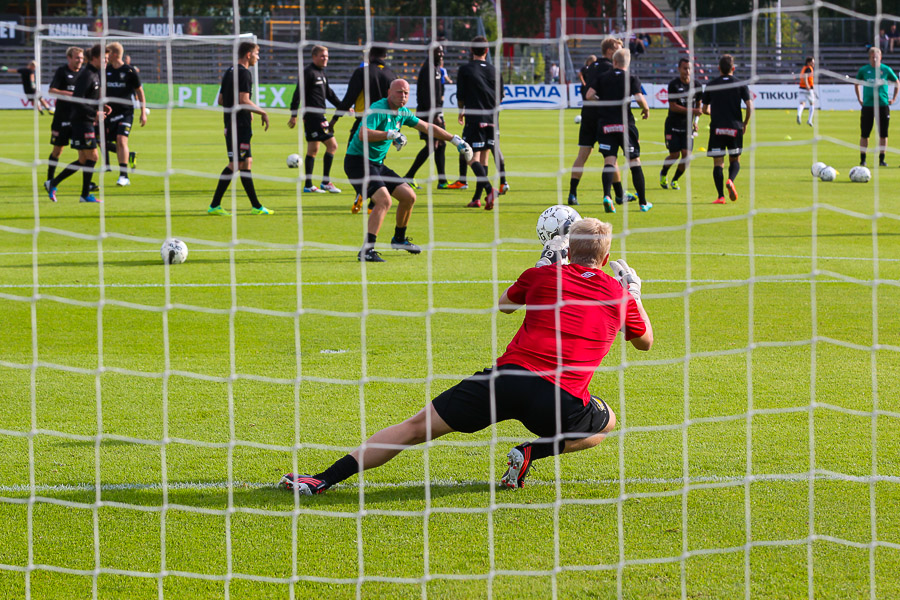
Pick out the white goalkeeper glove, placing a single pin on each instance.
(626, 276)
(464, 148)
(556, 250)
(397, 138)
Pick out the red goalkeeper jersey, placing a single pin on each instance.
(572, 316)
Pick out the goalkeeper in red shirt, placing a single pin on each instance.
(573, 314)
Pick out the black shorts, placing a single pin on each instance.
(84, 136)
(243, 138)
(521, 395)
(118, 124)
(587, 133)
(379, 176)
(60, 133)
(725, 140)
(438, 120)
(611, 138)
(479, 135)
(867, 120)
(678, 136)
(315, 132)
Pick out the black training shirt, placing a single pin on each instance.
(429, 90)
(678, 95)
(63, 79)
(27, 84)
(316, 92)
(724, 96)
(245, 84)
(612, 94)
(121, 84)
(87, 86)
(591, 73)
(380, 78)
(476, 91)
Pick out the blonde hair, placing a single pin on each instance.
(115, 48)
(610, 43)
(874, 50)
(622, 58)
(73, 50)
(589, 242)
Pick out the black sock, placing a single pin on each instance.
(463, 167)
(247, 182)
(501, 164)
(440, 161)
(370, 239)
(881, 157)
(733, 170)
(70, 170)
(87, 173)
(400, 233)
(667, 164)
(418, 161)
(862, 157)
(617, 186)
(51, 167)
(678, 173)
(480, 175)
(309, 164)
(342, 469)
(637, 180)
(719, 179)
(326, 167)
(541, 450)
(123, 169)
(224, 182)
(608, 172)
(573, 186)
(486, 185)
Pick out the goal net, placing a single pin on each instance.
(148, 410)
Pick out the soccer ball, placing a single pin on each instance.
(173, 252)
(828, 174)
(556, 220)
(577, 119)
(860, 175)
(293, 161)
(816, 168)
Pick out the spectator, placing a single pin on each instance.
(554, 73)
(883, 41)
(893, 36)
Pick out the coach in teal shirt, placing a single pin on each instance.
(370, 177)
(871, 76)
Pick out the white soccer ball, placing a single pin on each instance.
(828, 174)
(293, 161)
(860, 175)
(577, 119)
(173, 252)
(816, 168)
(556, 220)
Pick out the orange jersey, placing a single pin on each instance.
(806, 78)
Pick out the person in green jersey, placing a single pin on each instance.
(871, 77)
(370, 177)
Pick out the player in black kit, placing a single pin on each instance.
(29, 87)
(476, 96)
(613, 91)
(122, 85)
(429, 108)
(316, 127)
(238, 127)
(678, 128)
(85, 117)
(722, 101)
(62, 86)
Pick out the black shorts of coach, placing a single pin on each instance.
(587, 133)
(725, 140)
(867, 120)
(243, 140)
(316, 128)
(438, 120)
(611, 138)
(379, 176)
(479, 134)
(118, 124)
(60, 132)
(84, 135)
(521, 395)
(678, 137)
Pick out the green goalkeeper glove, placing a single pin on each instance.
(4, 69)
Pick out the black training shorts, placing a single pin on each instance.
(316, 128)
(725, 140)
(611, 137)
(243, 139)
(587, 133)
(438, 120)
(84, 136)
(867, 120)
(521, 395)
(374, 175)
(479, 135)
(60, 132)
(679, 135)
(118, 124)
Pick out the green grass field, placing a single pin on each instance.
(182, 390)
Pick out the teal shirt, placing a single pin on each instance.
(382, 118)
(867, 75)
